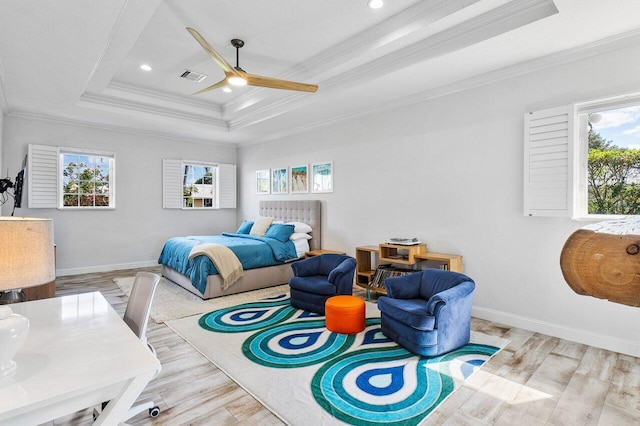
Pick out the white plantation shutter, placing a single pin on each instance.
(227, 186)
(42, 176)
(548, 162)
(171, 184)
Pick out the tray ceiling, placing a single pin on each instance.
(79, 61)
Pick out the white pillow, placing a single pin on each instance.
(299, 236)
(260, 226)
(301, 227)
(302, 246)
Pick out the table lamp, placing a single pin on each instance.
(26, 260)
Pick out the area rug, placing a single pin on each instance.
(172, 301)
(305, 374)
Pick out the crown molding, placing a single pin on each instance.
(598, 47)
(273, 109)
(109, 103)
(374, 39)
(133, 93)
(130, 100)
(482, 27)
(620, 41)
(249, 111)
(119, 129)
(376, 42)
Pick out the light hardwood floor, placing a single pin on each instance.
(536, 380)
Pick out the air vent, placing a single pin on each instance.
(193, 76)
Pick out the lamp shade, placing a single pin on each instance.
(26, 252)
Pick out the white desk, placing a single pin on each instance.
(78, 353)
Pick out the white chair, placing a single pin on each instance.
(139, 306)
(137, 316)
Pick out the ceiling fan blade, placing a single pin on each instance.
(274, 83)
(221, 83)
(222, 63)
(251, 79)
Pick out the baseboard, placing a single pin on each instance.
(105, 268)
(628, 347)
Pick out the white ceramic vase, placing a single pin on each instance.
(13, 332)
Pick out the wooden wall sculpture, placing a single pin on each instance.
(603, 260)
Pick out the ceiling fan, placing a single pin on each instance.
(236, 76)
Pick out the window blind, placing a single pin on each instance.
(227, 186)
(548, 162)
(42, 176)
(171, 184)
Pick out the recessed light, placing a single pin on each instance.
(226, 89)
(375, 4)
(145, 67)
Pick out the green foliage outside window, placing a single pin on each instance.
(613, 175)
(85, 181)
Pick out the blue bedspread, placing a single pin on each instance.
(253, 252)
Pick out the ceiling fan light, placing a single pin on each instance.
(237, 81)
(375, 4)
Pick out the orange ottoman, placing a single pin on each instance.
(344, 314)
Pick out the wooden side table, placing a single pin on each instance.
(388, 253)
(312, 253)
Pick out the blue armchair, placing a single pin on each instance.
(429, 312)
(318, 278)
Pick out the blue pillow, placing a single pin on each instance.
(280, 231)
(245, 227)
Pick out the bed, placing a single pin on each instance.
(307, 211)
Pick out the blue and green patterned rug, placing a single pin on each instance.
(305, 374)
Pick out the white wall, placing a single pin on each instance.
(1, 133)
(450, 171)
(132, 235)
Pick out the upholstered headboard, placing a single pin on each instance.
(307, 211)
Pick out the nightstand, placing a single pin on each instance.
(312, 253)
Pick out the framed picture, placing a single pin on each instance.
(263, 181)
(322, 177)
(299, 178)
(280, 180)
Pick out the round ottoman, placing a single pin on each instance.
(344, 314)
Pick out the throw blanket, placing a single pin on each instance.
(227, 263)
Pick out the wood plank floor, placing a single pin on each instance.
(536, 380)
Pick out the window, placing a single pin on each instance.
(69, 178)
(86, 179)
(612, 138)
(583, 160)
(198, 185)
